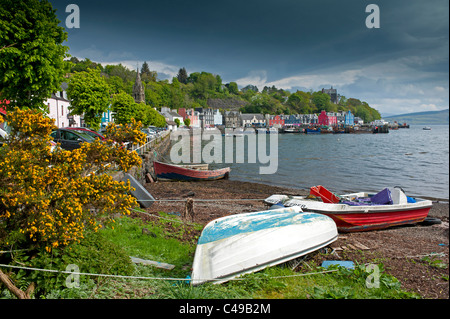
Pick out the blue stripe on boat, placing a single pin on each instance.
(252, 222)
(180, 177)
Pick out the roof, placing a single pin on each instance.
(54, 97)
(171, 113)
(250, 116)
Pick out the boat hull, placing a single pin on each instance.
(245, 243)
(372, 221)
(364, 218)
(176, 172)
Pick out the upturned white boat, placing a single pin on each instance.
(234, 245)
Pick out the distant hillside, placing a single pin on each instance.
(421, 118)
(226, 104)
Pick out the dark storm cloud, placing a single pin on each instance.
(291, 43)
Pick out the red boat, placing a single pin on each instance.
(364, 211)
(166, 171)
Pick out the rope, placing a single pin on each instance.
(154, 278)
(202, 200)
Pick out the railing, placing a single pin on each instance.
(151, 142)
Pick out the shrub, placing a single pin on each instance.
(51, 198)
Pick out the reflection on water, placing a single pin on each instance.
(414, 159)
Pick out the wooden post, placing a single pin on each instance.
(189, 210)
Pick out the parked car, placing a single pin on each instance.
(150, 133)
(4, 135)
(70, 139)
(92, 133)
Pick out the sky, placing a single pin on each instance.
(400, 67)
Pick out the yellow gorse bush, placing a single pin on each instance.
(51, 198)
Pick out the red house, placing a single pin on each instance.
(182, 112)
(276, 121)
(327, 119)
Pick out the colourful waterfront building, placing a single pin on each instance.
(292, 120)
(276, 121)
(182, 112)
(193, 116)
(349, 118)
(327, 119)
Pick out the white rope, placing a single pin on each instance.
(154, 278)
(203, 200)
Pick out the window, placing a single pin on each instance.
(65, 135)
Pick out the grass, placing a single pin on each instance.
(174, 243)
(154, 244)
(167, 242)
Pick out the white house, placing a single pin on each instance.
(218, 118)
(379, 122)
(171, 126)
(170, 115)
(248, 120)
(58, 106)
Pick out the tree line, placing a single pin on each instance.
(52, 64)
(195, 89)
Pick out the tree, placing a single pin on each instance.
(90, 96)
(145, 68)
(182, 76)
(205, 84)
(295, 101)
(177, 122)
(233, 88)
(78, 66)
(121, 71)
(32, 57)
(123, 105)
(147, 75)
(154, 118)
(251, 87)
(321, 100)
(187, 122)
(116, 83)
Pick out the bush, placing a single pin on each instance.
(94, 254)
(50, 199)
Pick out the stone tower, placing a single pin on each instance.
(138, 89)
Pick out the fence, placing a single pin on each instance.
(150, 144)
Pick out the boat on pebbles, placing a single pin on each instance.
(200, 172)
(243, 243)
(361, 211)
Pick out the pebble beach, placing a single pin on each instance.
(402, 249)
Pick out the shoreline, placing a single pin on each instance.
(218, 198)
(400, 249)
(306, 191)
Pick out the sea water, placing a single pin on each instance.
(415, 159)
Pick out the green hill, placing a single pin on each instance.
(422, 118)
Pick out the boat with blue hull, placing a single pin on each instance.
(243, 243)
(312, 130)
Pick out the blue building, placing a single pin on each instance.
(292, 120)
(107, 117)
(349, 119)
